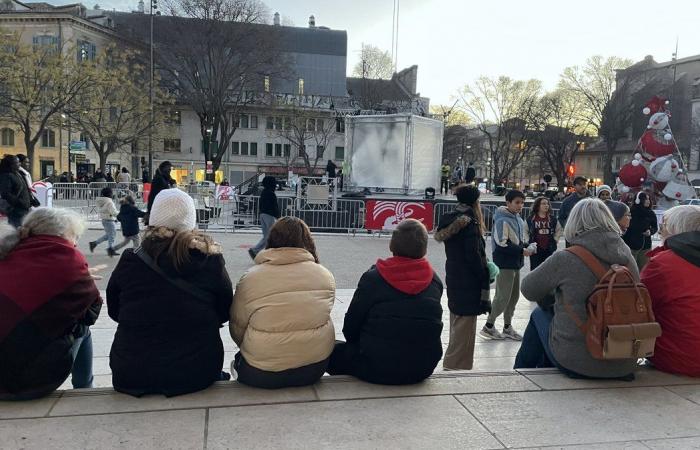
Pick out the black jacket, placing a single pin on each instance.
(167, 341)
(159, 183)
(15, 191)
(129, 218)
(396, 335)
(643, 219)
(467, 275)
(268, 203)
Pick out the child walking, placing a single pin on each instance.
(108, 214)
(129, 218)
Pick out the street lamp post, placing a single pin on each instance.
(154, 6)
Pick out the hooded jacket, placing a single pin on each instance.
(281, 312)
(467, 276)
(106, 208)
(671, 277)
(39, 323)
(509, 239)
(167, 341)
(267, 204)
(572, 282)
(159, 183)
(394, 322)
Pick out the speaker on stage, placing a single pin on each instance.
(429, 193)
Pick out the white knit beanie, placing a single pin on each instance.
(601, 188)
(173, 209)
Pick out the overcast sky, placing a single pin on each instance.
(455, 41)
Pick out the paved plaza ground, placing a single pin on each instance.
(491, 407)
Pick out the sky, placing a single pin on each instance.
(455, 41)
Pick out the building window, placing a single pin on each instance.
(235, 148)
(253, 149)
(320, 149)
(311, 125)
(172, 117)
(46, 40)
(268, 149)
(266, 84)
(253, 121)
(84, 137)
(278, 122)
(171, 145)
(340, 153)
(340, 124)
(287, 150)
(301, 86)
(48, 139)
(247, 121)
(244, 149)
(278, 150)
(319, 125)
(270, 123)
(8, 137)
(86, 51)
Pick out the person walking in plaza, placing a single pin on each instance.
(603, 192)
(642, 227)
(108, 215)
(580, 192)
(467, 275)
(129, 216)
(393, 324)
(281, 312)
(445, 172)
(268, 212)
(15, 197)
(99, 176)
(161, 181)
(48, 301)
(24, 168)
(331, 168)
(671, 276)
(554, 339)
(169, 298)
(544, 230)
(510, 246)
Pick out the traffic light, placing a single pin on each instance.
(572, 170)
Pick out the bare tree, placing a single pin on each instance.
(38, 83)
(501, 108)
(374, 63)
(303, 128)
(215, 54)
(556, 132)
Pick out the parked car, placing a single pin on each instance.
(691, 201)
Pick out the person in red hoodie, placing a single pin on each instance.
(394, 322)
(671, 276)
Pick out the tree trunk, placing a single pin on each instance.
(30, 146)
(608, 177)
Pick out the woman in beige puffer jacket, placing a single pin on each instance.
(281, 312)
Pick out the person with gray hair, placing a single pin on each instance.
(44, 331)
(671, 277)
(555, 339)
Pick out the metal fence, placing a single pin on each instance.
(487, 210)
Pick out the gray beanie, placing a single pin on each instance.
(618, 209)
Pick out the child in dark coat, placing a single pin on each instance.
(129, 218)
(394, 321)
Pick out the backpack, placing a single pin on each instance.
(621, 323)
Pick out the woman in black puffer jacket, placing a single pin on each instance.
(642, 227)
(467, 275)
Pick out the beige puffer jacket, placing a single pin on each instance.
(106, 208)
(281, 311)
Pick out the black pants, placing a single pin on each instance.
(300, 376)
(445, 183)
(538, 258)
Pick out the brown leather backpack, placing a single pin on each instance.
(621, 323)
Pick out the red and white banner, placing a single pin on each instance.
(387, 214)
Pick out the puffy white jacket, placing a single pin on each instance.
(106, 208)
(281, 311)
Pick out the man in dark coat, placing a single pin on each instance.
(161, 180)
(14, 190)
(394, 321)
(580, 192)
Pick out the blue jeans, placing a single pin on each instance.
(266, 222)
(81, 375)
(110, 233)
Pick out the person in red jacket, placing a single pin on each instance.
(671, 277)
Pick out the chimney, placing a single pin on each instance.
(141, 7)
(312, 22)
(276, 20)
(97, 7)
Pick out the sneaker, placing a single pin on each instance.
(111, 252)
(491, 333)
(252, 254)
(510, 333)
(92, 246)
